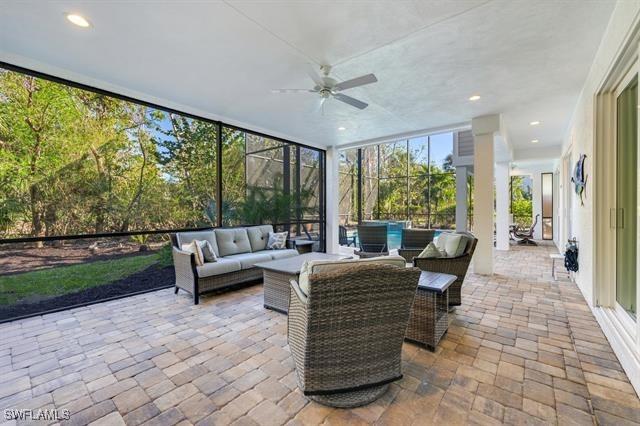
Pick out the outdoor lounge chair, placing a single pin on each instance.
(373, 241)
(525, 237)
(451, 265)
(346, 334)
(414, 241)
(344, 239)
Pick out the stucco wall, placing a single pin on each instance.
(579, 138)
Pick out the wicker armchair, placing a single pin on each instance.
(346, 335)
(373, 241)
(414, 241)
(451, 265)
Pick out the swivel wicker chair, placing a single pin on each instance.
(451, 265)
(373, 241)
(414, 241)
(346, 335)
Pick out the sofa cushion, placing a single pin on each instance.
(247, 260)
(282, 254)
(232, 241)
(258, 236)
(318, 266)
(222, 266)
(208, 235)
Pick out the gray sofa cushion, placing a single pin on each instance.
(247, 260)
(281, 254)
(258, 236)
(232, 241)
(208, 235)
(222, 266)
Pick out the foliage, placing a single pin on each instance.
(77, 162)
(407, 188)
(521, 200)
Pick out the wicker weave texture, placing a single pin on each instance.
(429, 318)
(416, 238)
(186, 275)
(276, 290)
(457, 266)
(348, 333)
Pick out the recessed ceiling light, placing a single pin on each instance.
(341, 128)
(474, 98)
(535, 141)
(534, 123)
(78, 20)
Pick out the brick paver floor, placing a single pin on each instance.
(522, 349)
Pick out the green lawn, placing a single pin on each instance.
(72, 278)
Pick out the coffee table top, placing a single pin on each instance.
(435, 281)
(292, 265)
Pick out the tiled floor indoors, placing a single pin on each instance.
(522, 349)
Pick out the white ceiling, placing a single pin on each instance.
(527, 59)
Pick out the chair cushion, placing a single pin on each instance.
(208, 235)
(232, 241)
(318, 266)
(259, 236)
(222, 266)
(282, 254)
(247, 260)
(431, 252)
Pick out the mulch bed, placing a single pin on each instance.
(151, 278)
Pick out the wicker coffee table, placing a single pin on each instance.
(429, 318)
(276, 276)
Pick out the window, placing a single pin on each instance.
(521, 201)
(92, 182)
(410, 180)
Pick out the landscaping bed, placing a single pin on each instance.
(153, 277)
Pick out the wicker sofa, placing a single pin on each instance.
(347, 321)
(237, 250)
(451, 265)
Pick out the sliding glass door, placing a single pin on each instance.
(627, 197)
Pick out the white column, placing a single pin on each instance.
(536, 195)
(483, 128)
(461, 198)
(333, 193)
(502, 206)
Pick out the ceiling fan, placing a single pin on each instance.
(328, 87)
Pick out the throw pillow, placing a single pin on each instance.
(452, 244)
(430, 252)
(207, 251)
(441, 241)
(194, 248)
(277, 240)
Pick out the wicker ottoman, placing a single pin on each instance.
(429, 318)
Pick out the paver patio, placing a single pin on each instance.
(522, 349)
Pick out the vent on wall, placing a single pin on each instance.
(465, 143)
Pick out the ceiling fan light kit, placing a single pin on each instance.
(328, 87)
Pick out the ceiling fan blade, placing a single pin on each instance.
(313, 74)
(293, 91)
(355, 82)
(351, 101)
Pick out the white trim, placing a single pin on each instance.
(623, 346)
(408, 135)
